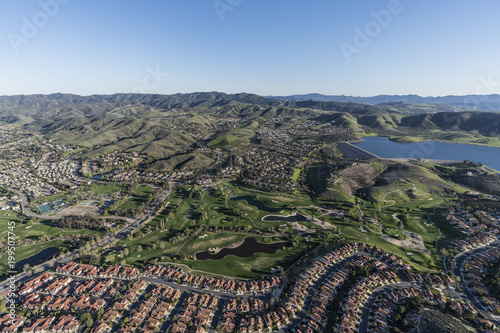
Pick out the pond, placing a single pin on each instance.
(280, 218)
(248, 248)
(39, 257)
(383, 147)
(256, 203)
(100, 176)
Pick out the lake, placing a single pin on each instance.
(259, 204)
(36, 258)
(248, 248)
(383, 147)
(279, 218)
(100, 176)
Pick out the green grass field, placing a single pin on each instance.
(50, 199)
(185, 207)
(27, 251)
(193, 207)
(106, 189)
(37, 232)
(412, 200)
(251, 267)
(34, 231)
(296, 174)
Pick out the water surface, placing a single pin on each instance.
(280, 218)
(259, 204)
(383, 147)
(39, 257)
(248, 248)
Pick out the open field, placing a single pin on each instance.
(106, 189)
(453, 137)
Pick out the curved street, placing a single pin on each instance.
(365, 315)
(151, 211)
(312, 291)
(457, 266)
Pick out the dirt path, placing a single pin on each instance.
(414, 241)
(414, 188)
(253, 222)
(437, 240)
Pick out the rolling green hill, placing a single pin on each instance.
(166, 125)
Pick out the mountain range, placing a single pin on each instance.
(468, 102)
(27, 108)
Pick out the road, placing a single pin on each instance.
(220, 294)
(457, 271)
(365, 314)
(150, 212)
(217, 317)
(187, 289)
(312, 291)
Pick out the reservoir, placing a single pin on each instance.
(383, 147)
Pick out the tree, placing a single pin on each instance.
(100, 313)
(3, 305)
(110, 257)
(87, 320)
(139, 248)
(95, 260)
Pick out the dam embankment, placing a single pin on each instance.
(351, 151)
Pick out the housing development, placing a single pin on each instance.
(238, 213)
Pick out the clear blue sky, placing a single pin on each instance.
(268, 47)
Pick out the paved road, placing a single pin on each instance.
(312, 291)
(457, 271)
(173, 313)
(217, 317)
(220, 157)
(365, 315)
(150, 212)
(220, 294)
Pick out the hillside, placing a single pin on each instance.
(472, 176)
(379, 181)
(163, 126)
